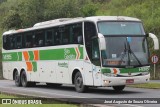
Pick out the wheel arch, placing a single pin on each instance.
(74, 73)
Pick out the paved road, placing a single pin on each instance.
(67, 91)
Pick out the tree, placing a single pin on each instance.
(89, 9)
(12, 20)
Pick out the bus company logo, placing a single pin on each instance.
(7, 57)
(68, 54)
(65, 65)
(144, 69)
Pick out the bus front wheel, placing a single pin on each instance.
(78, 81)
(24, 81)
(119, 88)
(17, 79)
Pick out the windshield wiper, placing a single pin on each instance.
(128, 50)
(123, 54)
(131, 52)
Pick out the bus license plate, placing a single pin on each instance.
(130, 81)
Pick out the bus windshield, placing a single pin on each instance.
(125, 51)
(120, 28)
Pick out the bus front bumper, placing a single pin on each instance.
(115, 81)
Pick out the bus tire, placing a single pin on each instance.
(24, 81)
(78, 81)
(119, 88)
(17, 79)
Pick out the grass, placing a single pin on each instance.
(147, 85)
(32, 105)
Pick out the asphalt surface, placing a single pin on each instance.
(94, 94)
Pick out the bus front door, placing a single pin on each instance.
(88, 74)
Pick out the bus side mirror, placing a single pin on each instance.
(102, 42)
(155, 40)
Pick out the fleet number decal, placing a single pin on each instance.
(144, 69)
(7, 57)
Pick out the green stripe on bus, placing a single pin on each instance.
(51, 54)
(31, 55)
(105, 70)
(126, 70)
(13, 56)
(56, 54)
(134, 70)
(81, 51)
(34, 66)
(20, 56)
(60, 54)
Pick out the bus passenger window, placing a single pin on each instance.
(49, 38)
(6, 42)
(13, 42)
(29, 40)
(57, 38)
(39, 39)
(19, 42)
(78, 36)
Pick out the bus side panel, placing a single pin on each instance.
(6, 68)
(62, 72)
(46, 72)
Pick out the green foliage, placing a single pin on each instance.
(29, 12)
(12, 20)
(89, 9)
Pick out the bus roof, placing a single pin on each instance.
(63, 21)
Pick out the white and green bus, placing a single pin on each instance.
(95, 51)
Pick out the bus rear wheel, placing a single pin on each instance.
(119, 88)
(24, 81)
(78, 81)
(17, 79)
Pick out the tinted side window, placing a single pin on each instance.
(57, 39)
(18, 41)
(49, 37)
(68, 34)
(77, 33)
(29, 40)
(6, 42)
(13, 43)
(39, 39)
